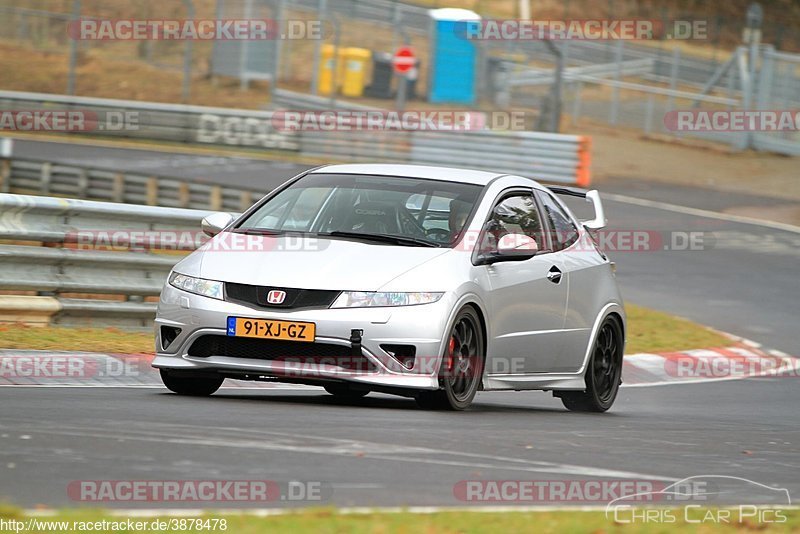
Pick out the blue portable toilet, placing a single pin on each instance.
(454, 58)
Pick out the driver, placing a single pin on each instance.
(458, 217)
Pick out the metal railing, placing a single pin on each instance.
(778, 88)
(771, 82)
(161, 122)
(541, 76)
(544, 156)
(99, 260)
(283, 98)
(394, 21)
(49, 178)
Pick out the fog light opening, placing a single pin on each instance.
(168, 335)
(405, 354)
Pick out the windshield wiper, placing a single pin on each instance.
(256, 231)
(394, 239)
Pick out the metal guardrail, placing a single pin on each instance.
(546, 157)
(48, 178)
(549, 158)
(543, 156)
(634, 67)
(166, 122)
(85, 253)
(282, 98)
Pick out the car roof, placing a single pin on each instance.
(448, 174)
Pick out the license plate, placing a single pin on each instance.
(271, 329)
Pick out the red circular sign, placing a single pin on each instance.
(404, 59)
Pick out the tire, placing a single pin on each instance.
(345, 392)
(193, 386)
(603, 374)
(462, 366)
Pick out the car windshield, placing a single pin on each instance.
(390, 209)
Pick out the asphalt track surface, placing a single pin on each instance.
(384, 451)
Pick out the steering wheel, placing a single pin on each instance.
(439, 234)
(409, 224)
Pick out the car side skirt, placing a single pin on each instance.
(552, 381)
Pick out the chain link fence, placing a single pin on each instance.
(619, 83)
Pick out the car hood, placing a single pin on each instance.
(304, 262)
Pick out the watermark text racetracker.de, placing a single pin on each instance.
(68, 366)
(581, 29)
(734, 363)
(702, 120)
(195, 29)
(607, 240)
(408, 120)
(198, 491)
(276, 130)
(73, 120)
(553, 491)
(172, 524)
(186, 240)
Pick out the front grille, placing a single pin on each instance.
(295, 298)
(291, 352)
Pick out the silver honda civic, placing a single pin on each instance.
(426, 282)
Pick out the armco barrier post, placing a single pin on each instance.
(6, 151)
(82, 186)
(45, 177)
(245, 200)
(5, 175)
(118, 188)
(215, 199)
(583, 176)
(152, 191)
(183, 195)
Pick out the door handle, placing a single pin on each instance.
(554, 274)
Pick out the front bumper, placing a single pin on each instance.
(423, 326)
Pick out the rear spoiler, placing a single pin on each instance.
(592, 196)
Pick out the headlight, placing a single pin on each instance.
(363, 299)
(198, 286)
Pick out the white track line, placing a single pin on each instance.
(697, 381)
(344, 448)
(685, 210)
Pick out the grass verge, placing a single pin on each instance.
(19, 336)
(655, 331)
(648, 331)
(330, 521)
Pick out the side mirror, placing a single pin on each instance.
(215, 223)
(511, 247)
(517, 246)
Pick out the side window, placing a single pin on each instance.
(564, 231)
(515, 214)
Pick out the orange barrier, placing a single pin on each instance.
(583, 174)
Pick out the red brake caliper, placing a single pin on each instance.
(451, 348)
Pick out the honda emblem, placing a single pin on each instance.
(276, 296)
